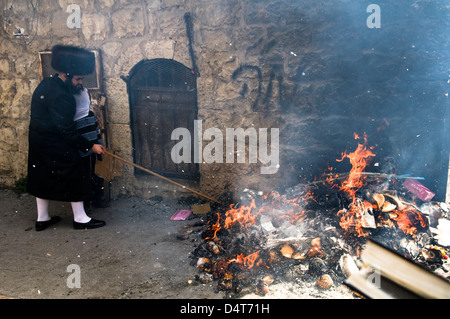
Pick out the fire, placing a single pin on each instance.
(248, 261)
(215, 227)
(354, 216)
(246, 215)
(359, 160)
(409, 219)
(243, 215)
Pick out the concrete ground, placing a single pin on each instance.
(136, 255)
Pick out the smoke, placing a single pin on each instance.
(390, 82)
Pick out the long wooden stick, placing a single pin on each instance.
(345, 175)
(162, 177)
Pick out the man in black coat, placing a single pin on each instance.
(55, 167)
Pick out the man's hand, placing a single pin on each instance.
(98, 149)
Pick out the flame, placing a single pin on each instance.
(409, 219)
(215, 227)
(330, 178)
(243, 215)
(246, 215)
(353, 217)
(248, 261)
(359, 160)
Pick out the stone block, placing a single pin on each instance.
(4, 66)
(94, 26)
(218, 14)
(112, 48)
(84, 4)
(159, 49)
(16, 96)
(8, 141)
(5, 163)
(23, 64)
(128, 59)
(120, 139)
(128, 22)
(118, 109)
(19, 164)
(106, 3)
(217, 40)
(7, 92)
(60, 28)
(169, 22)
(44, 25)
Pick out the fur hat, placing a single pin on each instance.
(73, 60)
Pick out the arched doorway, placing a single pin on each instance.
(163, 97)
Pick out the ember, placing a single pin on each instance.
(409, 220)
(313, 234)
(248, 261)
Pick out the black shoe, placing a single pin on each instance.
(43, 225)
(93, 223)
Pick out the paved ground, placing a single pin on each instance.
(136, 255)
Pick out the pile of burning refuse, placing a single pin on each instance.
(313, 234)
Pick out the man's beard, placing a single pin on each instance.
(74, 89)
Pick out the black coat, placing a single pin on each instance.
(56, 170)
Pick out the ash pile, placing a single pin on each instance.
(309, 237)
(298, 240)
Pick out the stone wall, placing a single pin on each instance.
(315, 70)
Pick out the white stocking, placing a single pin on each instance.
(42, 209)
(79, 214)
